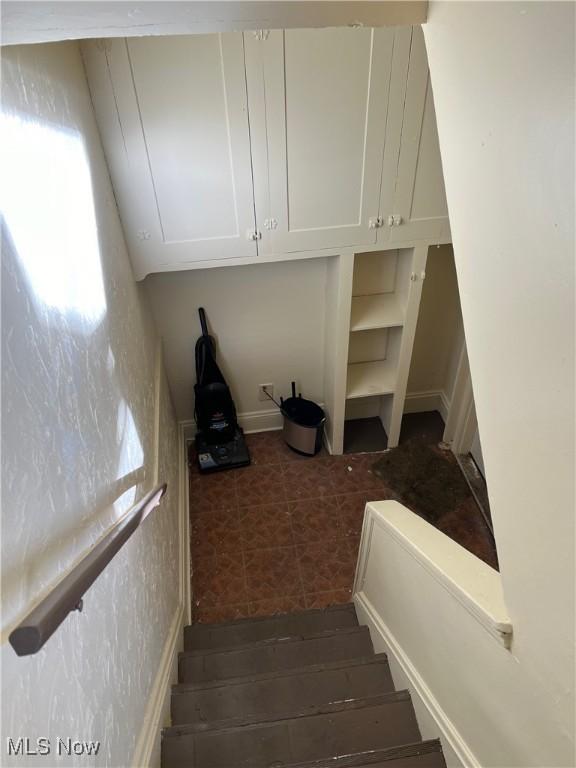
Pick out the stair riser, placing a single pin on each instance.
(206, 637)
(306, 738)
(274, 657)
(280, 695)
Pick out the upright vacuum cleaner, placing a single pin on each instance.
(220, 442)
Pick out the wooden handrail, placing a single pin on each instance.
(43, 620)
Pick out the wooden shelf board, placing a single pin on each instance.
(380, 310)
(374, 378)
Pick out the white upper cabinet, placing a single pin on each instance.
(231, 146)
(172, 112)
(414, 207)
(318, 103)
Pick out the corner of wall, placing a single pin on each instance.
(157, 714)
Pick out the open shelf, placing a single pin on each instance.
(381, 310)
(377, 377)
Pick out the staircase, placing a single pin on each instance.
(304, 690)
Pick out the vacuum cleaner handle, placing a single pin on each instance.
(293, 389)
(203, 323)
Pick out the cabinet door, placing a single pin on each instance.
(318, 104)
(173, 116)
(418, 203)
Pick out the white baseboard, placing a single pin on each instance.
(260, 421)
(157, 712)
(251, 421)
(434, 400)
(432, 719)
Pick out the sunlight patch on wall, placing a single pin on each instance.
(131, 452)
(125, 501)
(46, 199)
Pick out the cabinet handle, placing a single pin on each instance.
(394, 220)
(375, 222)
(253, 234)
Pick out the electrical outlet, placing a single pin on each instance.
(262, 389)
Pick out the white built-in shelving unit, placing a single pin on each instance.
(380, 310)
(379, 297)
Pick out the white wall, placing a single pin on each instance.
(78, 423)
(268, 321)
(503, 80)
(439, 329)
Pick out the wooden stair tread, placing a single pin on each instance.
(336, 729)
(276, 694)
(242, 631)
(302, 690)
(268, 656)
(244, 722)
(344, 663)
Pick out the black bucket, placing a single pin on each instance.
(303, 424)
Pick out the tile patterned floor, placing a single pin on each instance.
(283, 534)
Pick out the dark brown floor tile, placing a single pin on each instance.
(215, 530)
(307, 481)
(260, 485)
(266, 525)
(212, 491)
(326, 566)
(272, 573)
(351, 510)
(353, 473)
(204, 614)
(283, 534)
(265, 448)
(315, 519)
(354, 543)
(315, 468)
(219, 579)
(277, 605)
(325, 599)
(307, 489)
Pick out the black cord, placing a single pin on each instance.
(271, 398)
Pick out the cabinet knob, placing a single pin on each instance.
(375, 222)
(253, 234)
(394, 220)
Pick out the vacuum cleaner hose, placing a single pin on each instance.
(203, 323)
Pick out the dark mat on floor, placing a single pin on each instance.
(426, 478)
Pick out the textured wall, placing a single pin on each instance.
(78, 421)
